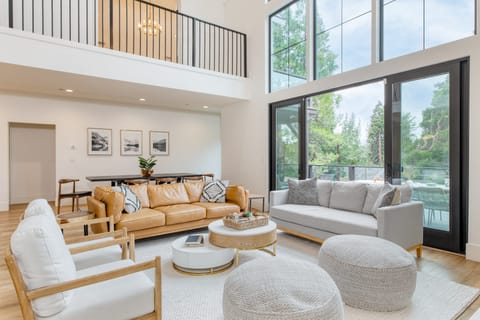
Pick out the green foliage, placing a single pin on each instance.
(147, 163)
(376, 136)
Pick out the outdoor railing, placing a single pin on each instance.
(137, 27)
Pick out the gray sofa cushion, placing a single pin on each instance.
(373, 191)
(303, 191)
(324, 189)
(348, 196)
(327, 219)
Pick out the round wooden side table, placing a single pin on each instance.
(259, 238)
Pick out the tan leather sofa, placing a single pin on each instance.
(166, 208)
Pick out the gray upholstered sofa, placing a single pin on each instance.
(333, 208)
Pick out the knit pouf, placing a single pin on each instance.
(371, 273)
(275, 289)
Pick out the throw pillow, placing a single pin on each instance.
(373, 192)
(405, 192)
(214, 191)
(385, 198)
(348, 195)
(324, 188)
(132, 204)
(303, 191)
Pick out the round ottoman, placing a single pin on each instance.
(275, 289)
(371, 273)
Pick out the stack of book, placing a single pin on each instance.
(194, 240)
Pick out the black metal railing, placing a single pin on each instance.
(137, 27)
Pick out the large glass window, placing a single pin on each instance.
(342, 35)
(413, 25)
(288, 46)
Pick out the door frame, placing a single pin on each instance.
(455, 239)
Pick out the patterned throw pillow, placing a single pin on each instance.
(132, 204)
(214, 191)
(386, 198)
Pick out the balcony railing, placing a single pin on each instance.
(137, 27)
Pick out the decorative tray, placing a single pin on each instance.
(242, 221)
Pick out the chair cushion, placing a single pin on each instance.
(214, 191)
(43, 259)
(95, 257)
(143, 219)
(348, 195)
(303, 191)
(121, 298)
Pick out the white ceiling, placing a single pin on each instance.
(46, 82)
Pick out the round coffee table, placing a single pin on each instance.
(250, 239)
(205, 259)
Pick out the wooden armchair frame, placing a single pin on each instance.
(26, 296)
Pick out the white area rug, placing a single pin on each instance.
(200, 297)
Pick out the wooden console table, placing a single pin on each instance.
(116, 180)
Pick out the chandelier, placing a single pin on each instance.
(150, 27)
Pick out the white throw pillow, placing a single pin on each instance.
(373, 192)
(348, 195)
(43, 259)
(41, 207)
(132, 204)
(214, 191)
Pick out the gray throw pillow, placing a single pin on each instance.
(373, 192)
(303, 192)
(385, 198)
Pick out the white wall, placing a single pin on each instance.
(245, 125)
(208, 10)
(194, 137)
(32, 163)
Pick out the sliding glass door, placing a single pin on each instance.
(423, 112)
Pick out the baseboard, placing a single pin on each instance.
(472, 252)
(4, 206)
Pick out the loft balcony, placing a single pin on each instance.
(134, 45)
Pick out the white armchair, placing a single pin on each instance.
(49, 286)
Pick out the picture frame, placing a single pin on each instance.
(131, 142)
(99, 142)
(159, 143)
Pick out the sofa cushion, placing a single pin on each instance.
(43, 259)
(140, 191)
(324, 189)
(214, 191)
(348, 195)
(194, 190)
(303, 191)
(373, 192)
(167, 194)
(326, 219)
(218, 210)
(143, 219)
(179, 213)
(127, 297)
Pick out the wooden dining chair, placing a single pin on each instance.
(165, 180)
(136, 181)
(193, 178)
(73, 194)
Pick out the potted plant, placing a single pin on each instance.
(146, 165)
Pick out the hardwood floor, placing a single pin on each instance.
(437, 263)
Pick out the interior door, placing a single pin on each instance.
(287, 143)
(426, 148)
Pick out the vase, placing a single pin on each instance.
(147, 172)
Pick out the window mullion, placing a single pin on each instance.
(309, 36)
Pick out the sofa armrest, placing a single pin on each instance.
(278, 197)
(402, 224)
(238, 195)
(99, 209)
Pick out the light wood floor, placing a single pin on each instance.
(437, 263)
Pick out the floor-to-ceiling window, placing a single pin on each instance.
(288, 46)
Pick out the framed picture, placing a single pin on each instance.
(159, 143)
(131, 142)
(99, 142)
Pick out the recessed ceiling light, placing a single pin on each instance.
(142, 99)
(205, 107)
(66, 90)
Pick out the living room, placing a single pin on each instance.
(230, 138)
